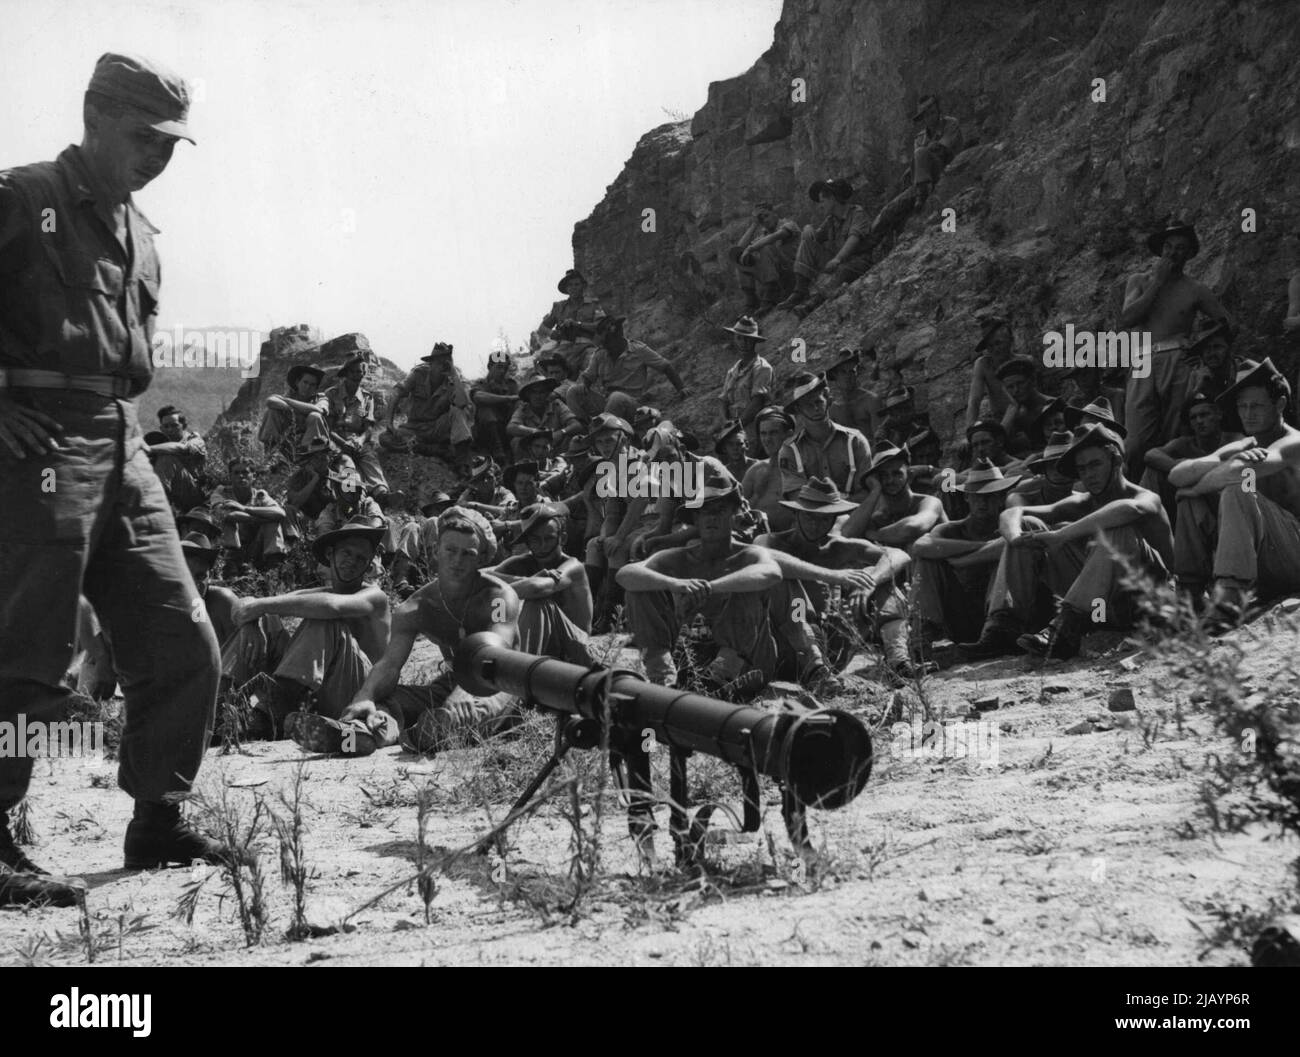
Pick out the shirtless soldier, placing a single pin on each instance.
(546, 572)
(1163, 302)
(1061, 546)
(724, 581)
(1239, 507)
(892, 514)
(461, 599)
(763, 484)
(875, 606)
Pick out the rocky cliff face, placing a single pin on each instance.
(1201, 118)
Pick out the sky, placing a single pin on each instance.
(411, 169)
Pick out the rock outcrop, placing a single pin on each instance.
(1200, 118)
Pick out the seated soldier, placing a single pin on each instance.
(296, 422)
(1239, 507)
(440, 421)
(994, 349)
(521, 479)
(459, 601)
(925, 471)
(764, 258)
(668, 458)
(485, 492)
(901, 418)
(724, 582)
(198, 519)
(1047, 484)
(178, 461)
(309, 489)
(831, 254)
(1017, 376)
(417, 541)
(820, 447)
(219, 604)
(852, 405)
(644, 419)
(801, 607)
(1050, 419)
(343, 631)
(612, 520)
(1077, 547)
(747, 385)
(1205, 435)
(1213, 367)
(348, 500)
(495, 399)
(731, 448)
(552, 470)
(252, 522)
(892, 514)
(763, 486)
(554, 368)
(617, 376)
(539, 409)
(955, 561)
(985, 439)
(351, 418)
(935, 146)
(543, 572)
(571, 323)
(1099, 411)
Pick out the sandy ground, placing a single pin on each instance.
(1053, 849)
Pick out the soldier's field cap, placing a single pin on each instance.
(147, 87)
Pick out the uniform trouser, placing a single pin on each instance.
(957, 598)
(278, 431)
(574, 354)
(740, 629)
(1241, 536)
(104, 530)
(771, 268)
(1087, 574)
(435, 714)
(454, 426)
(236, 664)
(372, 473)
(254, 540)
(586, 403)
(813, 255)
(490, 429)
(928, 163)
(407, 545)
(1152, 406)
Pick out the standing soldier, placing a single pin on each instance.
(78, 296)
(1163, 303)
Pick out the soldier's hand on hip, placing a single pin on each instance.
(24, 429)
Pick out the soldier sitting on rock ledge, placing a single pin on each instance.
(441, 415)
